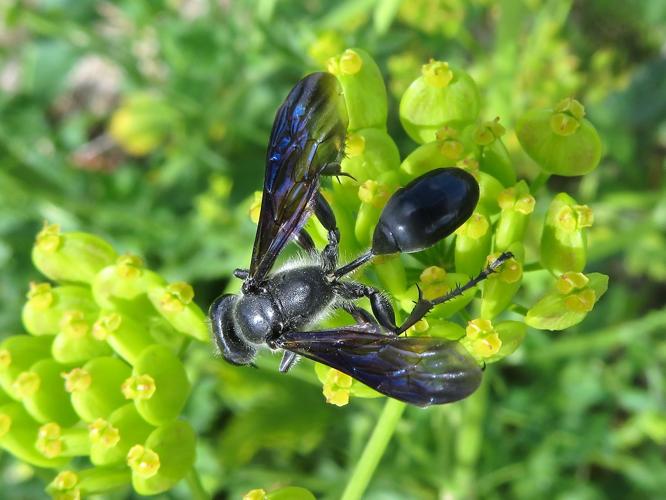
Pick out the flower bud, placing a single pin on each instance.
(165, 458)
(561, 141)
(564, 242)
(126, 279)
(54, 441)
(142, 123)
(76, 257)
(70, 485)
(41, 391)
(126, 337)
(472, 244)
(570, 301)
(481, 339)
(363, 89)
(95, 389)
(112, 438)
(175, 303)
(158, 386)
(75, 343)
(501, 286)
(17, 435)
(440, 96)
(17, 354)
(492, 155)
(46, 305)
(516, 204)
(511, 334)
(336, 387)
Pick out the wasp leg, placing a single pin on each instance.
(381, 306)
(334, 169)
(304, 240)
(326, 216)
(241, 274)
(423, 306)
(361, 316)
(288, 360)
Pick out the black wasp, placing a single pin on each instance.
(280, 309)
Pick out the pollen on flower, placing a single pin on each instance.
(49, 238)
(350, 62)
(65, 481)
(40, 295)
(355, 145)
(484, 341)
(585, 216)
(571, 106)
(421, 326)
(5, 359)
(106, 325)
(525, 204)
(469, 165)
(437, 73)
(5, 424)
(566, 219)
(337, 386)
(138, 387)
(74, 324)
(432, 274)
(486, 133)
(452, 149)
(26, 384)
(563, 124)
(255, 207)
(582, 301)
(177, 296)
(570, 281)
(102, 432)
(129, 266)
(510, 272)
(77, 380)
(256, 494)
(49, 440)
(475, 227)
(143, 461)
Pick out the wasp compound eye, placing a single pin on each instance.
(428, 209)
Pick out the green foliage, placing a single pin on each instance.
(145, 123)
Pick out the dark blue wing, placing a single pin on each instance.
(419, 370)
(308, 132)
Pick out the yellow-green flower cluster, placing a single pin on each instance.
(98, 375)
(441, 111)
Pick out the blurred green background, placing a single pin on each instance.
(146, 123)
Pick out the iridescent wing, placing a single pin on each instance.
(308, 133)
(419, 370)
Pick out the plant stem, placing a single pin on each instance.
(374, 450)
(539, 182)
(196, 488)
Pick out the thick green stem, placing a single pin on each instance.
(374, 450)
(196, 488)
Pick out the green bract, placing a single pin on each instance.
(70, 256)
(165, 458)
(564, 241)
(442, 95)
(363, 89)
(561, 141)
(93, 345)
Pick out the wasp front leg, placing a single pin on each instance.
(329, 256)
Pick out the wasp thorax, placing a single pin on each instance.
(256, 318)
